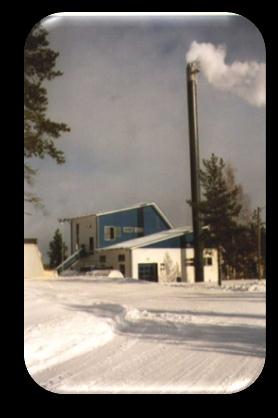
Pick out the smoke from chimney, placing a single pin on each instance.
(244, 79)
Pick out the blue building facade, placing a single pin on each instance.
(119, 226)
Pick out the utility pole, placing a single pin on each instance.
(259, 242)
(192, 70)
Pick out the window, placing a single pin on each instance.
(121, 257)
(208, 261)
(112, 232)
(102, 259)
(189, 262)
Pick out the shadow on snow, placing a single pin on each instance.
(239, 339)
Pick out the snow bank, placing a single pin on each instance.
(228, 285)
(106, 273)
(88, 277)
(137, 315)
(173, 318)
(101, 274)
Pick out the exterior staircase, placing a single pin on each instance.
(68, 262)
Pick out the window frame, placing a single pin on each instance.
(206, 261)
(107, 232)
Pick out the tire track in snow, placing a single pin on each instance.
(95, 362)
(237, 378)
(133, 367)
(124, 363)
(115, 367)
(71, 368)
(130, 358)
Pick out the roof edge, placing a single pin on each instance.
(162, 214)
(124, 209)
(154, 241)
(138, 205)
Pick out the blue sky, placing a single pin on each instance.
(123, 93)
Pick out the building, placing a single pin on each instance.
(163, 256)
(105, 228)
(139, 241)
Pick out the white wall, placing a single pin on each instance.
(87, 229)
(159, 256)
(174, 258)
(177, 262)
(113, 261)
(210, 272)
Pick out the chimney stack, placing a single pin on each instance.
(192, 70)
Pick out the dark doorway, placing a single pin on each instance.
(122, 269)
(148, 271)
(91, 244)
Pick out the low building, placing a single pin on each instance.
(166, 256)
(140, 242)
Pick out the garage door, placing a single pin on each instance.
(148, 271)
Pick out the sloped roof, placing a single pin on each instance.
(138, 205)
(149, 239)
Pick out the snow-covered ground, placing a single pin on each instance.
(97, 335)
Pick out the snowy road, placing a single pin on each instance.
(114, 336)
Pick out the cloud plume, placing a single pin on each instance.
(245, 79)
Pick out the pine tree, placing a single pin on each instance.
(226, 209)
(39, 131)
(244, 235)
(245, 214)
(253, 228)
(245, 250)
(219, 208)
(55, 250)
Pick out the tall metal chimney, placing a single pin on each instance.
(192, 70)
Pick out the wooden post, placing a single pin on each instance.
(219, 265)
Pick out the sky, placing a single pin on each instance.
(123, 94)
